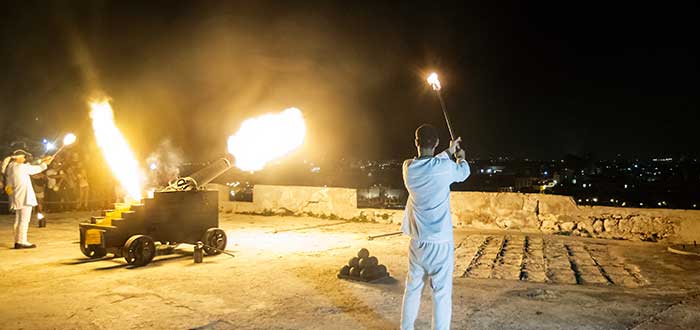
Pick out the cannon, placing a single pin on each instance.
(183, 212)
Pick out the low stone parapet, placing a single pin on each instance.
(551, 214)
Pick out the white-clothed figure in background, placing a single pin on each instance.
(22, 197)
(427, 220)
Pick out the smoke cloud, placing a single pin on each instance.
(163, 164)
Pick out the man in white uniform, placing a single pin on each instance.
(427, 220)
(22, 197)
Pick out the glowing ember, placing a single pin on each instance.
(69, 139)
(434, 81)
(267, 137)
(115, 149)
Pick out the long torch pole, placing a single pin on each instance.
(435, 84)
(67, 140)
(58, 151)
(444, 112)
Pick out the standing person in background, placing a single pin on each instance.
(3, 166)
(70, 188)
(39, 185)
(428, 221)
(84, 189)
(52, 178)
(22, 197)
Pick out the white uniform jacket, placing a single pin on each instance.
(22, 190)
(427, 216)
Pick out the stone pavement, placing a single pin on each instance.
(283, 276)
(543, 259)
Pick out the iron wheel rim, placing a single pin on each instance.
(140, 251)
(215, 241)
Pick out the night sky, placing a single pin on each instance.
(526, 80)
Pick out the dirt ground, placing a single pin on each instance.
(287, 280)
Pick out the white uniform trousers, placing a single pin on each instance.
(22, 218)
(436, 262)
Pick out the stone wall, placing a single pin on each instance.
(503, 211)
(317, 201)
(561, 215)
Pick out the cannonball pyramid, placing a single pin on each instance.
(363, 267)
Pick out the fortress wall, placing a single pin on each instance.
(505, 211)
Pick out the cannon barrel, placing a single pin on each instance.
(200, 178)
(211, 171)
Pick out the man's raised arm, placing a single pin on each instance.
(462, 170)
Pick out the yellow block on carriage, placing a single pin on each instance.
(93, 237)
(114, 214)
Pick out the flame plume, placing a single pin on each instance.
(69, 139)
(434, 82)
(115, 149)
(267, 137)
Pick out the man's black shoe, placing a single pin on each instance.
(22, 246)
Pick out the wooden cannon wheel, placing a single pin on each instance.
(214, 240)
(139, 250)
(93, 251)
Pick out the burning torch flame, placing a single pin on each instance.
(434, 81)
(267, 137)
(69, 139)
(115, 149)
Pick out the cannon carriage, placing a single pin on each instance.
(184, 212)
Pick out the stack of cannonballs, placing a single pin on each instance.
(363, 268)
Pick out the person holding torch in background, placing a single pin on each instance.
(19, 188)
(427, 220)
